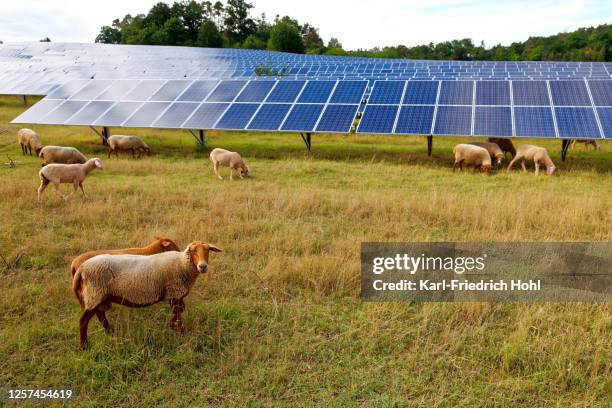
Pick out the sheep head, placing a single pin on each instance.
(198, 254)
(165, 244)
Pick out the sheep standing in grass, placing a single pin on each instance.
(538, 155)
(63, 155)
(472, 155)
(222, 157)
(134, 144)
(494, 151)
(66, 173)
(587, 143)
(137, 281)
(28, 140)
(161, 244)
(505, 144)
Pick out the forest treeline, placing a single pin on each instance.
(232, 25)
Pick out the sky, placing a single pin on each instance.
(356, 23)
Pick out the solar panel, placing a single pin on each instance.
(303, 118)
(415, 120)
(317, 92)
(453, 120)
(237, 116)
(206, 116)
(493, 121)
(255, 91)
(605, 118)
(456, 93)
(387, 92)
(530, 93)
(270, 117)
(146, 114)
(421, 92)
(378, 119)
(577, 123)
(569, 93)
(534, 122)
(175, 115)
(350, 92)
(492, 93)
(337, 118)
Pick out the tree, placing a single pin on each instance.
(109, 35)
(209, 36)
(285, 36)
(238, 24)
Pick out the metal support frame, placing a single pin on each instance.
(306, 137)
(429, 145)
(564, 147)
(200, 137)
(104, 135)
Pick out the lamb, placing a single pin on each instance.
(161, 244)
(470, 154)
(138, 281)
(127, 143)
(60, 154)
(66, 173)
(230, 159)
(535, 153)
(29, 139)
(493, 149)
(587, 143)
(504, 144)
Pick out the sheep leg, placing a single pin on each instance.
(101, 315)
(43, 186)
(216, 168)
(175, 322)
(83, 323)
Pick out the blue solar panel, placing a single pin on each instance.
(317, 92)
(146, 114)
(493, 121)
(492, 93)
(237, 116)
(337, 118)
(89, 113)
(605, 118)
(255, 91)
(226, 91)
(456, 93)
(170, 91)
(378, 119)
(117, 114)
(453, 120)
(206, 116)
(530, 93)
(270, 117)
(387, 92)
(601, 92)
(60, 114)
(421, 92)
(349, 92)
(415, 120)
(176, 115)
(534, 122)
(286, 91)
(577, 122)
(303, 118)
(569, 93)
(198, 91)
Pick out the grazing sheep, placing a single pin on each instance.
(28, 139)
(127, 143)
(230, 159)
(138, 281)
(535, 153)
(587, 143)
(504, 144)
(161, 244)
(66, 173)
(62, 155)
(494, 150)
(475, 155)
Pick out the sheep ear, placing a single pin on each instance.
(214, 248)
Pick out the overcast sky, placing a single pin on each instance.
(356, 23)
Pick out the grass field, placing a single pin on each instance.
(278, 320)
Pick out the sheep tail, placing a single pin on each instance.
(76, 287)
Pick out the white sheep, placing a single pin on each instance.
(60, 154)
(66, 173)
(136, 281)
(222, 157)
(475, 155)
(28, 139)
(118, 143)
(538, 155)
(494, 150)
